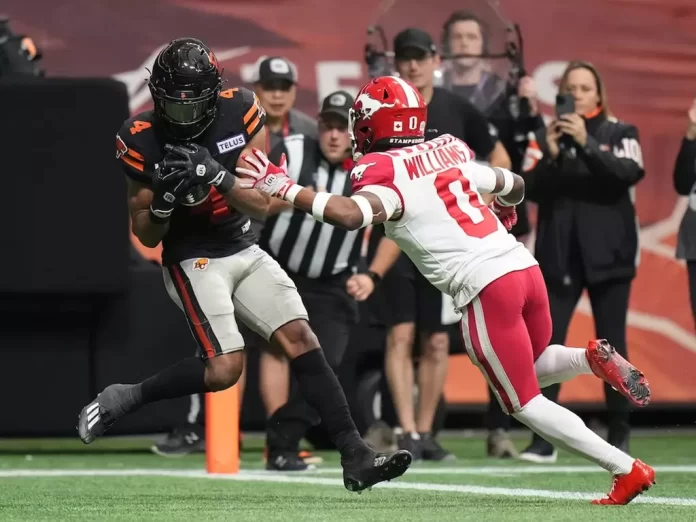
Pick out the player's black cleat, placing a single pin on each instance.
(375, 468)
(287, 461)
(181, 441)
(102, 412)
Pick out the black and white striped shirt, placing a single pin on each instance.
(302, 245)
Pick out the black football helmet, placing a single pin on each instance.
(185, 84)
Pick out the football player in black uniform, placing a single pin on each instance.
(179, 160)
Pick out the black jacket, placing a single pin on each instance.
(685, 185)
(513, 133)
(586, 203)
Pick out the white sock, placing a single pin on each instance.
(563, 428)
(560, 363)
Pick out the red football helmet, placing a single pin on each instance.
(386, 111)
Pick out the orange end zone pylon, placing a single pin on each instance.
(222, 431)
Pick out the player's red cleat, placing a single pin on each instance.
(618, 372)
(627, 487)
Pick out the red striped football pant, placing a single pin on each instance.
(505, 328)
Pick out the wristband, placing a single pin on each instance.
(226, 183)
(159, 217)
(321, 199)
(376, 278)
(506, 203)
(509, 181)
(292, 193)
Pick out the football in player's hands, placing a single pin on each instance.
(182, 157)
(196, 194)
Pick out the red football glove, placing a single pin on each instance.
(506, 214)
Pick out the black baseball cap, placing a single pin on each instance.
(413, 38)
(338, 102)
(275, 69)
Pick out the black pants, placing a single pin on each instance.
(332, 315)
(609, 302)
(691, 269)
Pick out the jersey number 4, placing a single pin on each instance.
(465, 205)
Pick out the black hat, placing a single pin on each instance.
(413, 39)
(276, 68)
(338, 102)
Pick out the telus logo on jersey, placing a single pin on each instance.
(231, 143)
(436, 160)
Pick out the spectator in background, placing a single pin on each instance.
(470, 77)
(416, 60)
(474, 79)
(276, 86)
(321, 260)
(416, 307)
(685, 185)
(581, 170)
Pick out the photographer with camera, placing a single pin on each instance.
(581, 170)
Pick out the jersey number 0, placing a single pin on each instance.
(464, 205)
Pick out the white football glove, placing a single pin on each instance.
(269, 178)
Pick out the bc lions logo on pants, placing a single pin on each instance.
(200, 263)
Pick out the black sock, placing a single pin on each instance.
(286, 427)
(183, 378)
(322, 391)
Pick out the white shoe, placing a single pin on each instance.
(536, 458)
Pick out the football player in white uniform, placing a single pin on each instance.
(428, 195)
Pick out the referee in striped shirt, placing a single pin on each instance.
(318, 257)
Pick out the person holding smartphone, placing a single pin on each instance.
(581, 170)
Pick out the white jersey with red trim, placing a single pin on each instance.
(446, 229)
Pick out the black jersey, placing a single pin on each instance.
(210, 229)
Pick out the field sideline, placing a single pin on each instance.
(118, 479)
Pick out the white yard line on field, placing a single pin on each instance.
(539, 469)
(274, 477)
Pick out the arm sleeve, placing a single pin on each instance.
(685, 168)
(484, 177)
(624, 163)
(389, 197)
